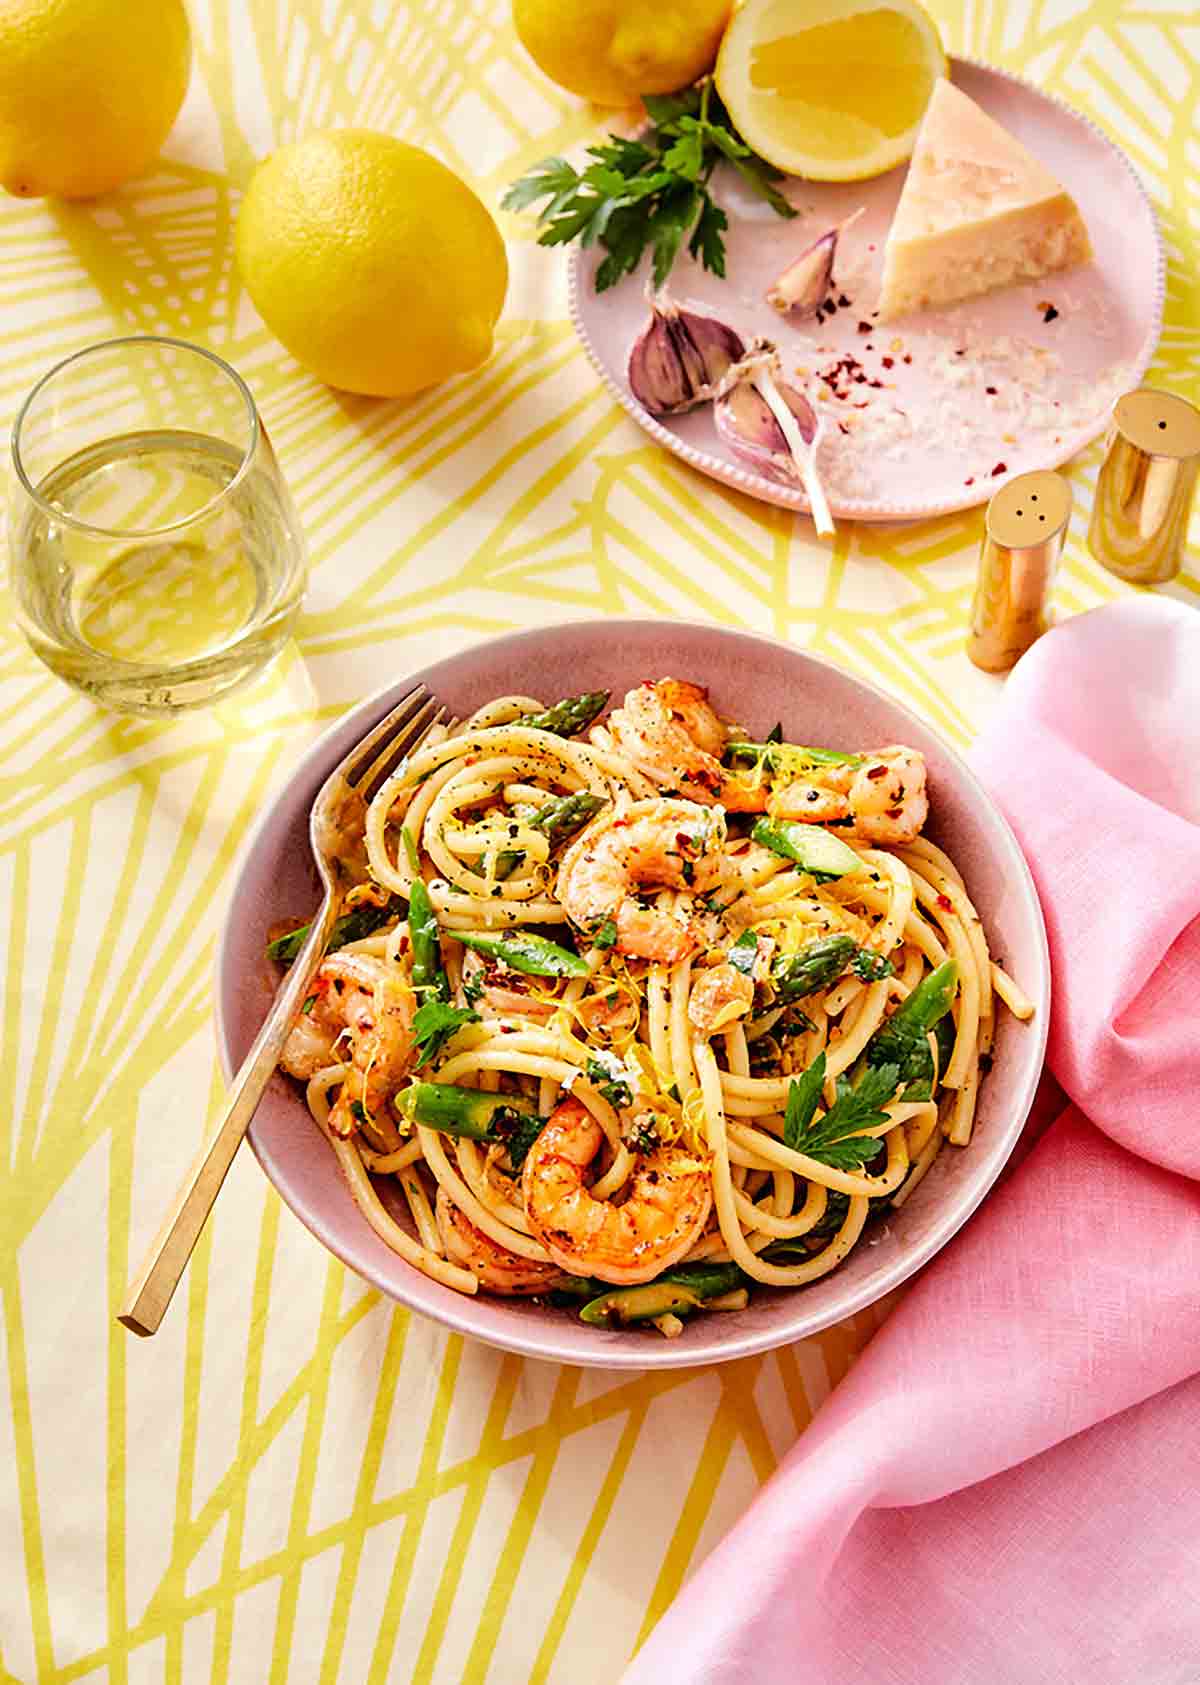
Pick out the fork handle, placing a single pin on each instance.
(151, 1290)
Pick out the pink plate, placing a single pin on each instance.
(992, 388)
(755, 680)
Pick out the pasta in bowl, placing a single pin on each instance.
(640, 1023)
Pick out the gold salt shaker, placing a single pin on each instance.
(1144, 493)
(1025, 529)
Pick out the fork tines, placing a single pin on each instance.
(398, 735)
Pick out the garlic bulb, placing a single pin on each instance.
(772, 426)
(805, 284)
(679, 358)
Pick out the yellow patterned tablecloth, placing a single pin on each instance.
(297, 1481)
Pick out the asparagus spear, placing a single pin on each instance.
(558, 820)
(360, 921)
(428, 971)
(679, 1292)
(474, 1115)
(524, 952)
(569, 716)
(900, 1039)
(813, 848)
(776, 756)
(817, 964)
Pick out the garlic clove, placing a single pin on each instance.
(772, 426)
(680, 357)
(805, 284)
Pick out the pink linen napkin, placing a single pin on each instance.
(1006, 1488)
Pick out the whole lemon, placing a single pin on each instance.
(89, 90)
(612, 51)
(374, 264)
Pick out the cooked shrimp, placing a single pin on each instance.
(720, 996)
(884, 797)
(671, 732)
(665, 1209)
(371, 1005)
(664, 844)
(497, 1269)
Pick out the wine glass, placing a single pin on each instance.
(156, 558)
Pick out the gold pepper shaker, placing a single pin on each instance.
(1144, 493)
(1025, 529)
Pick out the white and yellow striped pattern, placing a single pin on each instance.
(296, 1481)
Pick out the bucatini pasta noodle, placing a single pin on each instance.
(638, 1013)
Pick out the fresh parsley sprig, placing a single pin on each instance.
(649, 191)
(838, 1138)
(434, 1023)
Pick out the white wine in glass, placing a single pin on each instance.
(156, 558)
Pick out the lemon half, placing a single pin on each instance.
(830, 89)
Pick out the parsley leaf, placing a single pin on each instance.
(606, 935)
(433, 1025)
(518, 1131)
(648, 192)
(743, 953)
(838, 1139)
(872, 967)
(613, 1089)
(706, 242)
(803, 1095)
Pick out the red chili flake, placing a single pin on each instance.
(991, 391)
(969, 482)
(876, 771)
(1050, 314)
(945, 903)
(843, 301)
(870, 248)
(842, 428)
(864, 327)
(888, 362)
(907, 358)
(1000, 468)
(894, 812)
(961, 352)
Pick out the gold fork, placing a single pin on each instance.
(341, 801)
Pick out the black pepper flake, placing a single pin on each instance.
(991, 391)
(1050, 314)
(961, 352)
(843, 302)
(830, 305)
(1000, 468)
(864, 327)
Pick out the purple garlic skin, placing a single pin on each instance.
(679, 357)
(744, 420)
(806, 284)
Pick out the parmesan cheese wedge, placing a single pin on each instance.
(977, 212)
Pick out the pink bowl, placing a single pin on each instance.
(756, 680)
